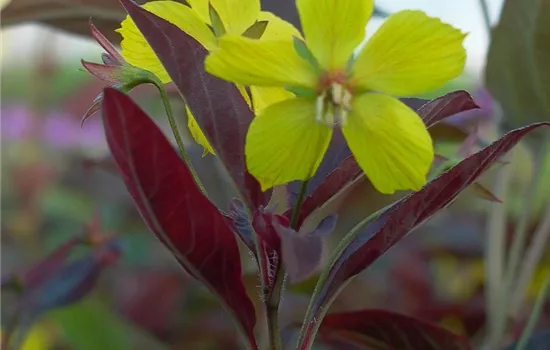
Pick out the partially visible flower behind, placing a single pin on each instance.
(206, 21)
(410, 54)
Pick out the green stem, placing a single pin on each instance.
(518, 243)
(296, 211)
(177, 136)
(486, 16)
(344, 243)
(494, 255)
(272, 304)
(535, 315)
(531, 258)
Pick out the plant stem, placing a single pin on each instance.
(519, 239)
(177, 136)
(303, 343)
(494, 255)
(486, 16)
(296, 211)
(532, 256)
(272, 304)
(535, 315)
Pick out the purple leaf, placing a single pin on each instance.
(446, 106)
(302, 251)
(377, 236)
(218, 106)
(174, 208)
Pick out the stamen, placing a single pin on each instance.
(333, 105)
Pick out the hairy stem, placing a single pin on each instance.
(177, 136)
(272, 304)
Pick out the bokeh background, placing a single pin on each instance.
(58, 183)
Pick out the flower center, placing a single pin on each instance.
(333, 105)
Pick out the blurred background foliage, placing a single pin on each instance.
(58, 183)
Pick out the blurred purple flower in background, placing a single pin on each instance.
(488, 110)
(57, 130)
(16, 123)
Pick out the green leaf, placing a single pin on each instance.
(303, 51)
(518, 73)
(90, 325)
(215, 19)
(256, 30)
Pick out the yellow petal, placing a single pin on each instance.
(263, 97)
(389, 142)
(285, 143)
(410, 54)
(277, 28)
(236, 15)
(197, 133)
(200, 7)
(334, 28)
(137, 51)
(258, 62)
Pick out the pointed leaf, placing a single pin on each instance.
(381, 329)
(374, 236)
(111, 52)
(445, 106)
(256, 30)
(108, 73)
(174, 208)
(218, 106)
(484, 193)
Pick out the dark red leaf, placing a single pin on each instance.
(445, 106)
(345, 175)
(381, 329)
(377, 236)
(218, 106)
(173, 207)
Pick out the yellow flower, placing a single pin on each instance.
(410, 54)
(237, 16)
